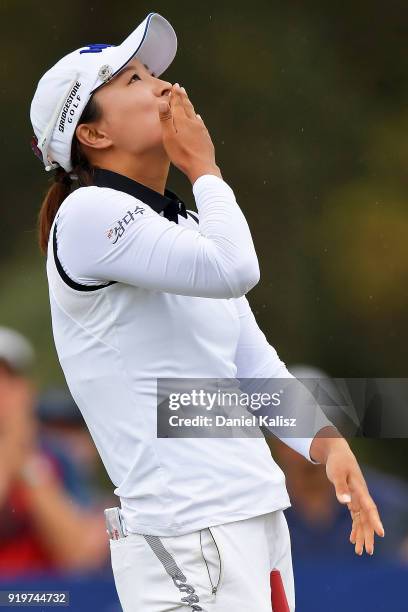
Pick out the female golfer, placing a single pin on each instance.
(142, 289)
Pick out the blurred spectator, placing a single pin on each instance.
(64, 433)
(319, 525)
(41, 527)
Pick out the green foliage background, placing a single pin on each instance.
(306, 104)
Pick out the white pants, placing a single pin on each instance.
(220, 568)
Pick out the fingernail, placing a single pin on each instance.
(345, 498)
(183, 90)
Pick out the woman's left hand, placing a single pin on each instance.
(343, 471)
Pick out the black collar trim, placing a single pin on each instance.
(169, 203)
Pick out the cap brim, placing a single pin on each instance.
(153, 42)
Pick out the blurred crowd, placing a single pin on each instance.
(51, 505)
(53, 491)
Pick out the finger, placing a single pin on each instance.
(177, 105)
(201, 120)
(353, 534)
(173, 94)
(375, 522)
(354, 526)
(166, 118)
(370, 510)
(368, 535)
(188, 106)
(362, 523)
(359, 538)
(355, 514)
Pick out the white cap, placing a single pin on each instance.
(64, 90)
(15, 350)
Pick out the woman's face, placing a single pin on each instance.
(129, 103)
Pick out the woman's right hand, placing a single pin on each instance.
(185, 137)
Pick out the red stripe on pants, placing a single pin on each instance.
(279, 601)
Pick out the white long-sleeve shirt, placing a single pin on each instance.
(135, 297)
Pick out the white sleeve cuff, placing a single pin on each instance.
(301, 446)
(206, 181)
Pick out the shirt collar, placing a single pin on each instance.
(169, 203)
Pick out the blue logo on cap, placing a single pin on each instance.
(95, 48)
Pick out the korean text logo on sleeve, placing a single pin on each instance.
(116, 232)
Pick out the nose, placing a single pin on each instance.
(162, 88)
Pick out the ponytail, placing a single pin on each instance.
(56, 194)
(64, 182)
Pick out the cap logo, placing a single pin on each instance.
(70, 106)
(105, 72)
(95, 48)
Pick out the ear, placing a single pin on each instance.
(92, 136)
